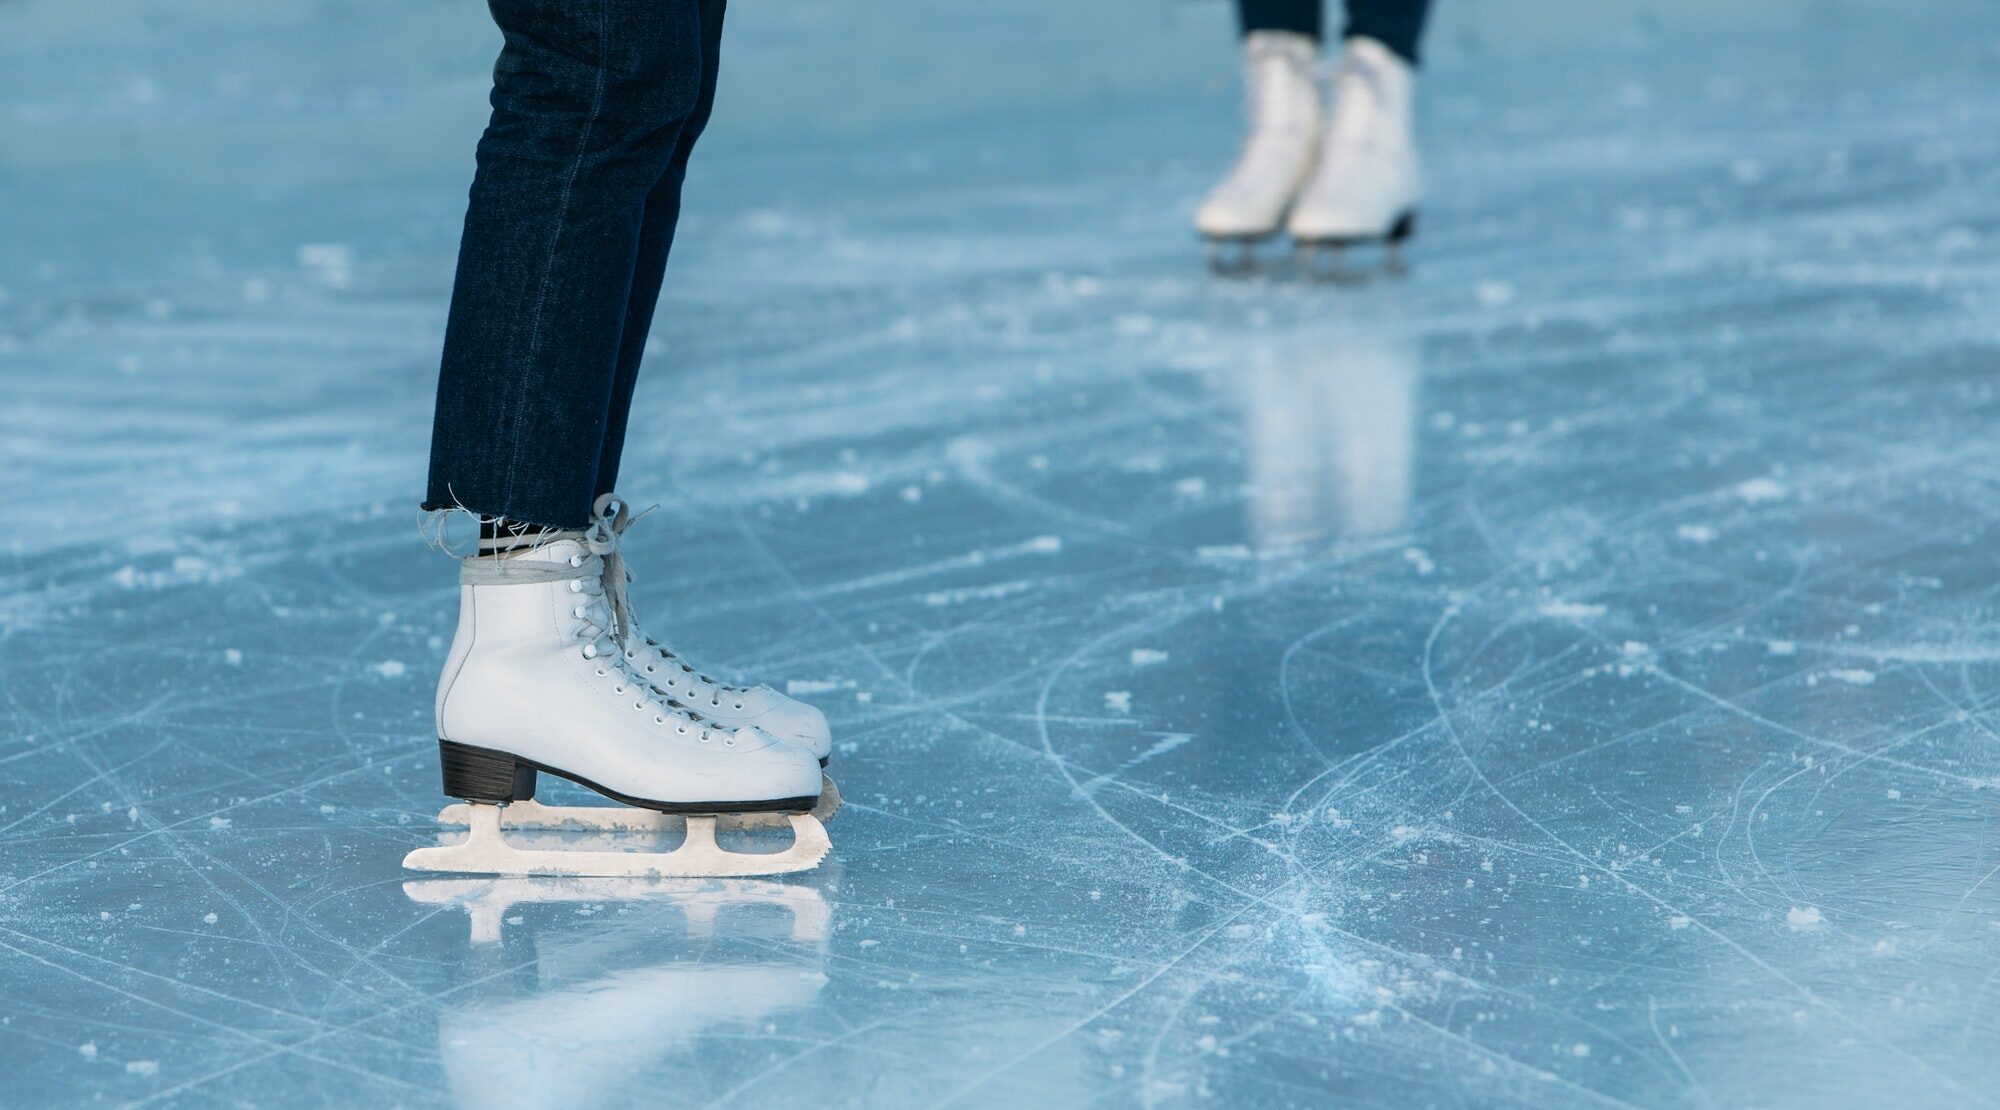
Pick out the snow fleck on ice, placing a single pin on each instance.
(1696, 533)
(218, 822)
(143, 1067)
(389, 668)
(330, 264)
(817, 686)
(1417, 558)
(1118, 701)
(1781, 647)
(210, 918)
(1146, 657)
(1759, 490)
(1493, 294)
(1851, 676)
(233, 657)
(1803, 917)
(87, 1050)
(1571, 610)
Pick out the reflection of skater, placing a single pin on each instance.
(1329, 434)
(1334, 168)
(596, 107)
(606, 1017)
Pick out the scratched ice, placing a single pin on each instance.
(1565, 675)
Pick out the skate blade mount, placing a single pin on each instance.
(486, 852)
(1326, 259)
(1233, 255)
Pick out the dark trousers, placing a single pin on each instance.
(596, 106)
(1396, 24)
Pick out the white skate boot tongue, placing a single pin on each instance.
(611, 516)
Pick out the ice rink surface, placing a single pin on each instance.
(1564, 675)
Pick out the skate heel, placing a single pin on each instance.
(484, 775)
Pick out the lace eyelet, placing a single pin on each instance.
(601, 672)
(683, 730)
(729, 743)
(659, 720)
(651, 668)
(575, 561)
(590, 652)
(618, 689)
(639, 705)
(739, 705)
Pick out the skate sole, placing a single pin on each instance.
(529, 814)
(489, 776)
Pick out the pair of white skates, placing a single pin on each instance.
(550, 673)
(1333, 170)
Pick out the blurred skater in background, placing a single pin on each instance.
(1334, 165)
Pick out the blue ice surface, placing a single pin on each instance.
(1563, 675)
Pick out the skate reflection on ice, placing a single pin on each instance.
(488, 901)
(1330, 428)
(598, 1013)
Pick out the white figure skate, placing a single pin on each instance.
(1279, 151)
(538, 681)
(759, 706)
(1366, 186)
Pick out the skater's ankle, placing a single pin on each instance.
(499, 537)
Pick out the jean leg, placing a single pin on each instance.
(1298, 16)
(589, 101)
(656, 239)
(1396, 24)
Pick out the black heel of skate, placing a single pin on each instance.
(483, 775)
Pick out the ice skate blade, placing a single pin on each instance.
(1233, 255)
(531, 814)
(1324, 258)
(486, 851)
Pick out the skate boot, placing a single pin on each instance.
(1365, 188)
(789, 720)
(1283, 105)
(537, 681)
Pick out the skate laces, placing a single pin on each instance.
(596, 629)
(611, 516)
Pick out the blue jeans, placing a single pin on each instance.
(596, 107)
(1396, 24)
